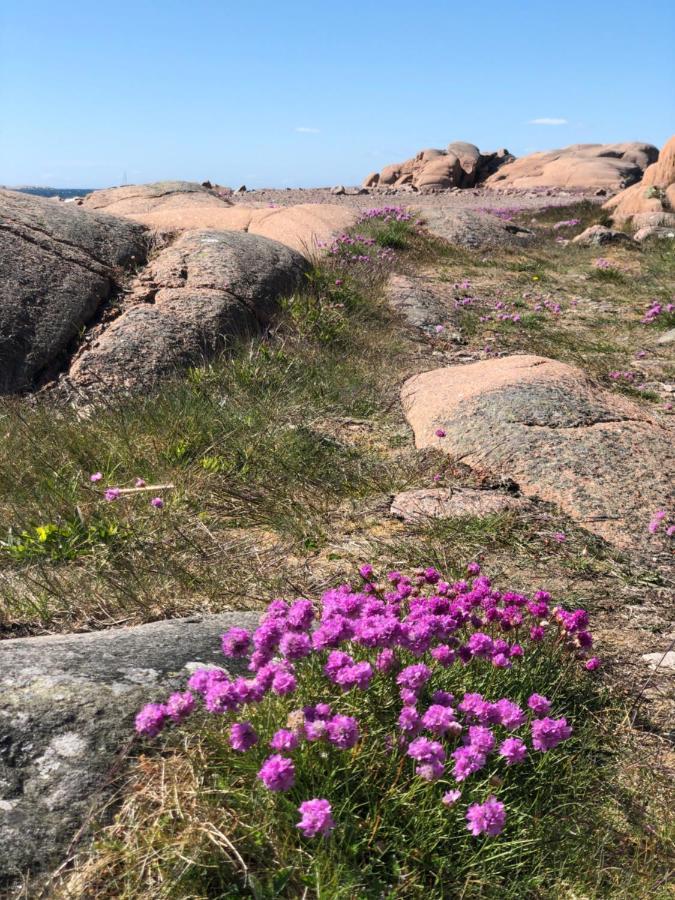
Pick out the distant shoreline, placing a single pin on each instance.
(63, 193)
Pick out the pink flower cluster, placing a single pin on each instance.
(658, 521)
(112, 494)
(402, 633)
(567, 223)
(655, 310)
(386, 214)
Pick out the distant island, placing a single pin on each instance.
(63, 193)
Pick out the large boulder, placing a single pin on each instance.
(66, 710)
(206, 288)
(602, 458)
(475, 230)
(137, 199)
(651, 203)
(461, 165)
(58, 265)
(579, 167)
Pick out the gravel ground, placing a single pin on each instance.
(473, 198)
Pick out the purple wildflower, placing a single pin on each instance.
(547, 733)
(539, 705)
(284, 740)
(180, 705)
(150, 720)
(513, 750)
(316, 818)
(486, 818)
(277, 773)
(236, 642)
(342, 731)
(242, 736)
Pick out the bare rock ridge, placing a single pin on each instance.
(545, 426)
(203, 290)
(652, 201)
(66, 708)
(460, 165)
(61, 266)
(182, 206)
(58, 266)
(609, 167)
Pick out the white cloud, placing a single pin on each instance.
(547, 121)
(302, 129)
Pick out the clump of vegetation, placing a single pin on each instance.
(413, 717)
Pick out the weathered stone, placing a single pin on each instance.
(203, 290)
(66, 710)
(597, 235)
(544, 425)
(417, 300)
(654, 231)
(462, 165)
(655, 194)
(473, 229)
(304, 227)
(137, 199)
(661, 661)
(338, 190)
(447, 503)
(668, 337)
(579, 167)
(58, 265)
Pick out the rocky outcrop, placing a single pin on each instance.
(138, 199)
(66, 710)
(450, 503)
(600, 457)
(194, 297)
(651, 203)
(598, 235)
(461, 165)
(475, 230)
(58, 266)
(585, 167)
(173, 206)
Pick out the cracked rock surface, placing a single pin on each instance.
(66, 708)
(204, 289)
(475, 230)
(600, 457)
(58, 266)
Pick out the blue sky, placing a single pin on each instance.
(298, 93)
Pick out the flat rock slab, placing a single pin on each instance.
(195, 296)
(450, 503)
(66, 709)
(474, 230)
(305, 227)
(138, 199)
(661, 661)
(418, 300)
(603, 459)
(58, 265)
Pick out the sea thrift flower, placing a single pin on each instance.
(481, 739)
(242, 736)
(139, 483)
(284, 740)
(486, 818)
(539, 705)
(440, 433)
(112, 494)
(414, 677)
(656, 520)
(294, 645)
(467, 761)
(409, 719)
(593, 664)
(547, 733)
(438, 719)
(180, 705)
(157, 502)
(386, 660)
(316, 818)
(513, 750)
(342, 731)
(451, 797)
(510, 714)
(277, 773)
(284, 683)
(560, 537)
(236, 642)
(150, 720)
(97, 476)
